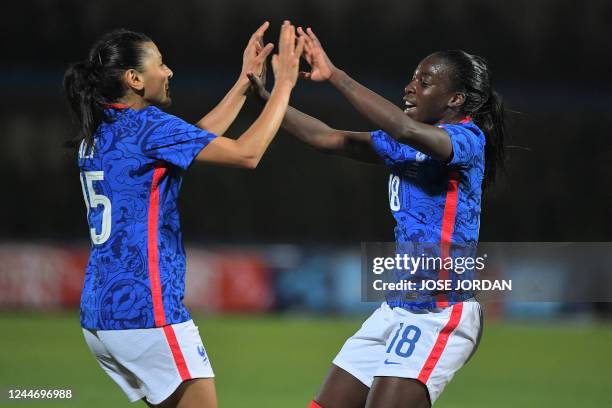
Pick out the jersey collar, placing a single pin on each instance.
(116, 106)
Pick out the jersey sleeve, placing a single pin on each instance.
(391, 151)
(173, 140)
(467, 146)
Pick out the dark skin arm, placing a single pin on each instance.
(425, 138)
(355, 145)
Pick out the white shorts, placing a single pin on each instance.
(429, 345)
(150, 363)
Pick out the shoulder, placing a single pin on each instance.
(157, 123)
(467, 141)
(154, 114)
(467, 128)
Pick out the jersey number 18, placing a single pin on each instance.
(394, 200)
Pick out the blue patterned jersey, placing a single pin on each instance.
(435, 202)
(131, 179)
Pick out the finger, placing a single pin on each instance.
(313, 42)
(301, 32)
(307, 58)
(283, 36)
(254, 79)
(312, 36)
(289, 36)
(292, 37)
(274, 62)
(307, 54)
(265, 52)
(261, 30)
(257, 36)
(300, 46)
(307, 46)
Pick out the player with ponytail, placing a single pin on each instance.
(132, 157)
(442, 150)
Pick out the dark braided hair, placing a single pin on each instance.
(470, 75)
(91, 84)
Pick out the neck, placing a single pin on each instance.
(453, 117)
(134, 101)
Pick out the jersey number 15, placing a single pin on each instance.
(93, 200)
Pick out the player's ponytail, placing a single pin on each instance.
(470, 74)
(490, 118)
(92, 84)
(80, 82)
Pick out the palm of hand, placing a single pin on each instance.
(321, 69)
(321, 66)
(250, 61)
(255, 53)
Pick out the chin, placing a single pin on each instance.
(166, 103)
(412, 115)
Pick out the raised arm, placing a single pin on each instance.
(219, 119)
(425, 138)
(248, 149)
(313, 132)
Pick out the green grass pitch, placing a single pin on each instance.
(279, 361)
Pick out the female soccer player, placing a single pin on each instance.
(441, 149)
(132, 157)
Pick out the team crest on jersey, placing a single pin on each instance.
(420, 157)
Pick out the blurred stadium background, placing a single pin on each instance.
(291, 230)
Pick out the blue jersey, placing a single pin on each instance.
(435, 202)
(131, 179)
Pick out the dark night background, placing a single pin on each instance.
(550, 59)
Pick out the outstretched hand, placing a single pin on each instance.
(286, 63)
(255, 53)
(320, 64)
(258, 87)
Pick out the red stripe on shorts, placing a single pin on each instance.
(177, 354)
(441, 341)
(152, 248)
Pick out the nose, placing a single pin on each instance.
(410, 88)
(170, 73)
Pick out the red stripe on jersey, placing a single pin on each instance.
(314, 404)
(177, 354)
(448, 226)
(153, 248)
(441, 341)
(450, 209)
(466, 119)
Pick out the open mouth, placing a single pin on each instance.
(409, 107)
